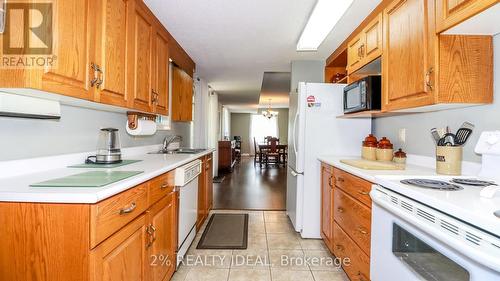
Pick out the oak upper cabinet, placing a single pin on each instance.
(408, 55)
(73, 39)
(365, 47)
(182, 95)
(354, 55)
(140, 68)
(327, 189)
(123, 256)
(162, 244)
(372, 35)
(161, 66)
(111, 58)
(451, 12)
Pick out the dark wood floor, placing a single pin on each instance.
(251, 188)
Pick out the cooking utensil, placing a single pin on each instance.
(463, 133)
(468, 125)
(435, 135)
(447, 140)
(462, 136)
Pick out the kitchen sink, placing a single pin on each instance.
(181, 151)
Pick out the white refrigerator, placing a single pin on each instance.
(315, 130)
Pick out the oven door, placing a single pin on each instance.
(400, 251)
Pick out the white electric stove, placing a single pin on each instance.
(439, 228)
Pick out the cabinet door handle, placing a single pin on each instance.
(149, 232)
(100, 76)
(339, 247)
(364, 193)
(163, 186)
(129, 209)
(340, 209)
(361, 50)
(97, 80)
(340, 179)
(154, 233)
(94, 80)
(428, 81)
(330, 182)
(154, 96)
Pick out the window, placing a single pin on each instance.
(263, 127)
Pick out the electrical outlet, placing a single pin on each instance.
(402, 135)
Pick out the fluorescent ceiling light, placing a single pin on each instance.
(324, 17)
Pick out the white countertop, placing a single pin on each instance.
(370, 175)
(465, 204)
(17, 189)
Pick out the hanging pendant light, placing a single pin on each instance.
(269, 113)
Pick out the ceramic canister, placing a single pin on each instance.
(385, 150)
(369, 149)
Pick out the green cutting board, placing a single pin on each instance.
(105, 166)
(88, 179)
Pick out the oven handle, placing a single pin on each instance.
(489, 260)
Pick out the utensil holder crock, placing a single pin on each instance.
(449, 160)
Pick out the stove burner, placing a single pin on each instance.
(473, 182)
(432, 184)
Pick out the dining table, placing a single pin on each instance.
(281, 148)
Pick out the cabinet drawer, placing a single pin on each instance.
(161, 186)
(354, 218)
(359, 268)
(108, 216)
(354, 186)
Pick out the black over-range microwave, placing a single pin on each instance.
(362, 95)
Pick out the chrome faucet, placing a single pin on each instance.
(170, 139)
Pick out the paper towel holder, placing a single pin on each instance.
(133, 117)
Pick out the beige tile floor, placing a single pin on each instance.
(271, 239)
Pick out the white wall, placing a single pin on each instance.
(419, 141)
(76, 131)
(307, 71)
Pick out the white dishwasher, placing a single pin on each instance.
(186, 180)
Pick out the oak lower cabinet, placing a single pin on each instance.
(327, 192)
(131, 236)
(205, 190)
(346, 220)
(161, 249)
(123, 256)
(227, 155)
(452, 12)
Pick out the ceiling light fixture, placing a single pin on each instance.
(324, 17)
(269, 113)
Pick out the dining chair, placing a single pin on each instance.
(256, 157)
(272, 155)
